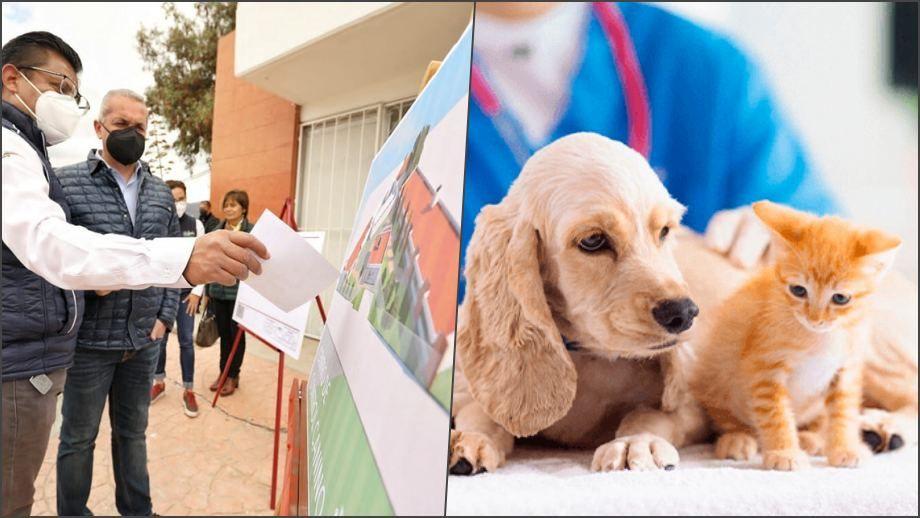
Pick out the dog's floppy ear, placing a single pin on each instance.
(508, 345)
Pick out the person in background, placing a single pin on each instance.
(223, 298)
(207, 217)
(47, 260)
(118, 344)
(185, 317)
(686, 97)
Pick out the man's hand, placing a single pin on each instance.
(103, 293)
(191, 304)
(224, 257)
(159, 330)
(739, 235)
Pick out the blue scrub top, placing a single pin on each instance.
(718, 138)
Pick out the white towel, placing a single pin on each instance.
(544, 481)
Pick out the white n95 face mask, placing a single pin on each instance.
(181, 206)
(55, 114)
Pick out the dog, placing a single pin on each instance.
(578, 320)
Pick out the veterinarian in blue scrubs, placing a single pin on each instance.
(685, 97)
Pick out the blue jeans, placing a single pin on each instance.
(124, 378)
(185, 324)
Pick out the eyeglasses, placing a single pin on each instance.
(67, 87)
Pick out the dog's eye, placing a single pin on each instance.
(840, 299)
(593, 243)
(798, 291)
(664, 233)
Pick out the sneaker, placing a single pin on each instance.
(189, 405)
(157, 391)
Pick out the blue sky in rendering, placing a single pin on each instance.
(449, 85)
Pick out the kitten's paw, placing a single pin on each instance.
(887, 431)
(736, 445)
(638, 452)
(472, 453)
(785, 460)
(812, 443)
(848, 457)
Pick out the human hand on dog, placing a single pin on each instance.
(739, 235)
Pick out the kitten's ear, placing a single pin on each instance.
(787, 223)
(877, 250)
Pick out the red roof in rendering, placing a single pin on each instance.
(436, 238)
(379, 247)
(354, 253)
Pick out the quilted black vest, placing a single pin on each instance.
(188, 225)
(123, 319)
(40, 320)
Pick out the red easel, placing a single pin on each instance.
(287, 216)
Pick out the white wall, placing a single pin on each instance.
(344, 57)
(828, 64)
(266, 31)
(385, 90)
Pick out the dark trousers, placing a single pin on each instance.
(185, 325)
(124, 379)
(226, 326)
(27, 419)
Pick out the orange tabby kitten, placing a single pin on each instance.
(784, 353)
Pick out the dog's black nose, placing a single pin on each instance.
(675, 315)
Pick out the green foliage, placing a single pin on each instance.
(158, 146)
(183, 59)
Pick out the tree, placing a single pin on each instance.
(158, 147)
(183, 59)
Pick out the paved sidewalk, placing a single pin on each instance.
(217, 463)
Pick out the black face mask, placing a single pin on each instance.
(125, 145)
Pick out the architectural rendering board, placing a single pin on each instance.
(381, 382)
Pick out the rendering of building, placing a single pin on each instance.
(401, 262)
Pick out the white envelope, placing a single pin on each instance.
(295, 273)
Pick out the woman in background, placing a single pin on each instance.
(684, 96)
(223, 298)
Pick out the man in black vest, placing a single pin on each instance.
(207, 218)
(185, 317)
(40, 321)
(47, 260)
(113, 192)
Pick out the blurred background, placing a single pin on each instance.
(849, 93)
(832, 67)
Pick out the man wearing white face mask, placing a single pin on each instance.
(46, 259)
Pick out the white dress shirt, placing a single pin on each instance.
(199, 231)
(69, 256)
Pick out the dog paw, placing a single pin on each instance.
(812, 443)
(886, 431)
(847, 457)
(639, 452)
(785, 460)
(472, 453)
(736, 446)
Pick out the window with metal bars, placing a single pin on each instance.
(335, 159)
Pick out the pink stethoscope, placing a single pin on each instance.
(638, 112)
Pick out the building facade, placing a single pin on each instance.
(303, 113)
